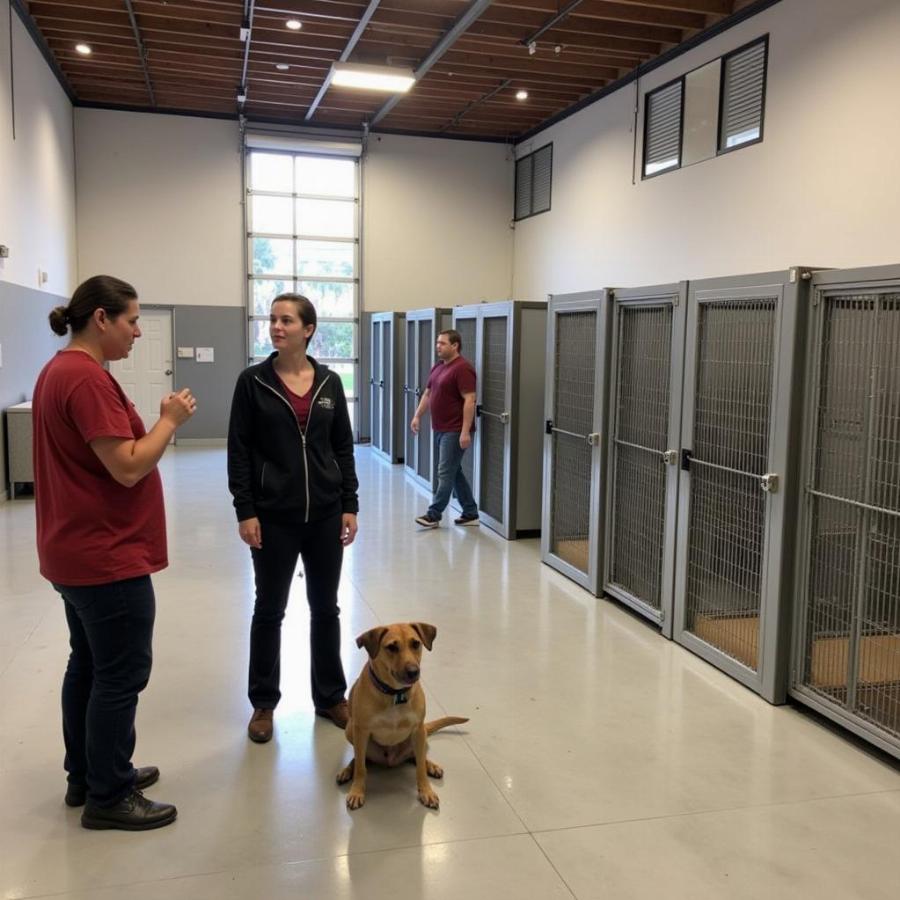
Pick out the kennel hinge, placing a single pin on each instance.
(686, 457)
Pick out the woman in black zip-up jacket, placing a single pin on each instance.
(293, 478)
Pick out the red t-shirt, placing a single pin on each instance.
(299, 404)
(447, 383)
(90, 528)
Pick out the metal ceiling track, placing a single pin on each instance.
(345, 55)
(142, 50)
(476, 8)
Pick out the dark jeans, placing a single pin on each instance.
(319, 545)
(450, 476)
(111, 635)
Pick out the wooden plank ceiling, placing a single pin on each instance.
(194, 58)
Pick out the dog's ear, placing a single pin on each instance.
(371, 640)
(425, 631)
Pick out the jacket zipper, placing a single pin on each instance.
(299, 429)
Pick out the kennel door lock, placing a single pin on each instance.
(670, 457)
(769, 483)
(504, 418)
(594, 438)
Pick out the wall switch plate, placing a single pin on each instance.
(185, 352)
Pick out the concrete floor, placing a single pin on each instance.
(601, 761)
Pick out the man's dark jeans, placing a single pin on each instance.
(450, 477)
(111, 636)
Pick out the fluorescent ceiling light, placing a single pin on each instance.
(521, 95)
(373, 78)
(293, 24)
(83, 49)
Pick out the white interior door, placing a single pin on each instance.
(146, 375)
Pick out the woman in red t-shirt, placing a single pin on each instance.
(100, 534)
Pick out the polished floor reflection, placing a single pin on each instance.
(600, 759)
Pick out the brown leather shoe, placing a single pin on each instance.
(339, 713)
(260, 728)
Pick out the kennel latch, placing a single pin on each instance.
(769, 482)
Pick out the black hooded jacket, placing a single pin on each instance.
(275, 469)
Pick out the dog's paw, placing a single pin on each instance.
(433, 769)
(355, 799)
(427, 797)
(345, 774)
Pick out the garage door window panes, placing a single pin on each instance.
(303, 236)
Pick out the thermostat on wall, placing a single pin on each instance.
(205, 355)
(185, 352)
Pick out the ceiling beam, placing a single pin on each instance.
(551, 22)
(345, 55)
(470, 106)
(246, 25)
(142, 51)
(475, 9)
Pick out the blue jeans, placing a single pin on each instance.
(111, 634)
(450, 476)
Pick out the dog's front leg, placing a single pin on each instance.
(357, 793)
(427, 796)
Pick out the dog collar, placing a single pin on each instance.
(399, 694)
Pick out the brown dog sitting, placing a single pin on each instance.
(387, 710)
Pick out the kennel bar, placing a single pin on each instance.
(575, 439)
(386, 384)
(422, 329)
(738, 486)
(846, 650)
(510, 348)
(646, 375)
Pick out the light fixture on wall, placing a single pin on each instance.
(293, 24)
(521, 95)
(83, 49)
(393, 79)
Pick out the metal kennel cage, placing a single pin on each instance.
(422, 329)
(846, 654)
(385, 385)
(646, 371)
(738, 482)
(578, 327)
(510, 339)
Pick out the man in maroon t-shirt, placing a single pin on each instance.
(451, 395)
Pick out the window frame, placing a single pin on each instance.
(293, 279)
(531, 196)
(764, 40)
(647, 96)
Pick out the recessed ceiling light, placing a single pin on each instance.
(282, 67)
(294, 24)
(83, 49)
(521, 95)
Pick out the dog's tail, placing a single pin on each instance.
(438, 724)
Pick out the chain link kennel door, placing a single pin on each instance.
(573, 447)
(847, 655)
(738, 477)
(647, 369)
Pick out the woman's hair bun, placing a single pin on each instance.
(59, 320)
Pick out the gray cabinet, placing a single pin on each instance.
(19, 443)
(386, 385)
(509, 351)
(422, 328)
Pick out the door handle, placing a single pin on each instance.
(167, 372)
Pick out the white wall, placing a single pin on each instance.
(159, 205)
(436, 222)
(37, 170)
(821, 189)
